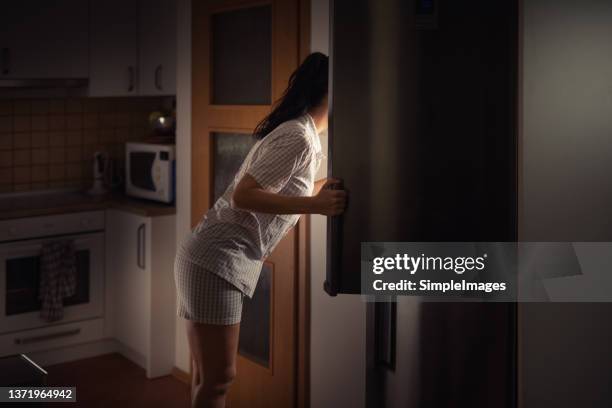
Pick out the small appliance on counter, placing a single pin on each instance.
(150, 171)
(99, 169)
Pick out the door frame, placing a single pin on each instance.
(302, 231)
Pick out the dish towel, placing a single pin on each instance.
(57, 278)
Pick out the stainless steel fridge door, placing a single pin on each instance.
(422, 125)
(423, 134)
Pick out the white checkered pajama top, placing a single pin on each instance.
(220, 261)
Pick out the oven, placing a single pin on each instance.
(21, 242)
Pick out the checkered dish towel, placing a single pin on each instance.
(57, 278)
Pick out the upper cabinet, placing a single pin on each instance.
(157, 47)
(113, 48)
(44, 39)
(133, 47)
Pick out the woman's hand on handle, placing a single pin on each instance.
(331, 198)
(250, 196)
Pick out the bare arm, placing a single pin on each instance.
(250, 196)
(318, 185)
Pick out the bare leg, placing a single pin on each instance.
(213, 349)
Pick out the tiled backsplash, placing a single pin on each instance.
(49, 143)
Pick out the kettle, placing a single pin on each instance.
(99, 171)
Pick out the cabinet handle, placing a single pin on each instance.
(140, 246)
(6, 64)
(158, 77)
(45, 337)
(131, 74)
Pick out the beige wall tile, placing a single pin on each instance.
(22, 175)
(74, 105)
(57, 172)
(6, 124)
(22, 123)
(106, 120)
(74, 154)
(56, 184)
(88, 170)
(6, 158)
(6, 107)
(106, 135)
(140, 119)
(88, 152)
(40, 139)
(56, 122)
(22, 107)
(57, 139)
(22, 140)
(90, 120)
(90, 136)
(57, 106)
(22, 157)
(49, 143)
(138, 133)
(74, 121)
(74, 171)
(122, 135)
(6, 175)
(40, 174)
(74, 138)
(57, 155)
(40, 107)
(122, 119)
(40, 156)
(39, 122)
(6, 141)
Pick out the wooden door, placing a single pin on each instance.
(243, 54)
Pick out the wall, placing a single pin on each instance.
(566, 191)
(48, 143)
(337, 362)
(183, 151)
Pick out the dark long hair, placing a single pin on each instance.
(307, 88)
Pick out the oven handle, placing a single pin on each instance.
(45, 337)
(140, 246)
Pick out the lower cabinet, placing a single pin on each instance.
(140, 298)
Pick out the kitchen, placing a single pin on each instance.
(87, 175)
(121, 123)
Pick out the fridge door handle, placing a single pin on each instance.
(334, 255)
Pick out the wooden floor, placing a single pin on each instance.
(113, 381)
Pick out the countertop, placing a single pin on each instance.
(60, 202)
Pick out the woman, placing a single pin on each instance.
(219, 263)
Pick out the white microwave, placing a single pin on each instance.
(150, 171)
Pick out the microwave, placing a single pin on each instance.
(150, 171)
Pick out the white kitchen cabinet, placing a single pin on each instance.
(133, 47)
(140, 288)
(44, 39)
(113, 48)
(157, 47)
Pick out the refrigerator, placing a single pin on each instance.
(423, 134)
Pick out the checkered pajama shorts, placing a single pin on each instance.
(204, 297)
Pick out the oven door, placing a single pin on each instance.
(20, 278)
